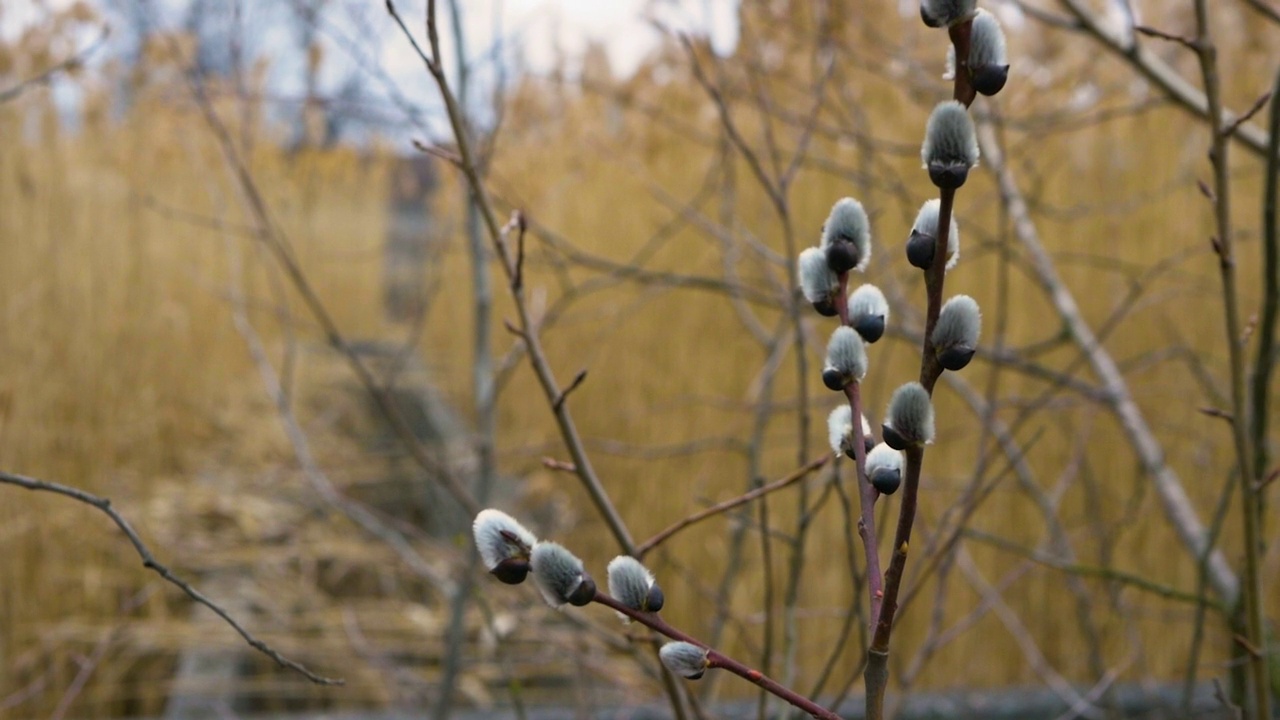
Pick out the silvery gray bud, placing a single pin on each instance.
(560, 576)
(909, 420)
(684, 659)
(846, 359)
(846, 237)
(504, 545)
(988, 58)
(868, 312)
(945, 13)
(923, 241)
(884, 469)
(633, 585)
(955, 336)
(950, 145)
(840, 431)
(817, 282)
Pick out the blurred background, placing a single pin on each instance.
(243, 295)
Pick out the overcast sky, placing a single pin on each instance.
(620, 24)
(355, 33)
(543, 26)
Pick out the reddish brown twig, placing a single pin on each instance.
(717, 659)
(876, 675)
(793, 477)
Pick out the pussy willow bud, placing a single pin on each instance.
(632, 584)
(560, 576)
(955, 336)
(988, 58)
(846, 237)
(868, 312)
(846, 359)
(817, 282)
(684, 659)
(944, 13)
(504, 545)
(884, 469)
(840, 431)
(923, 241)
(950, 145)
(909, 419)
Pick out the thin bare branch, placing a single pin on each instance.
(150, 562)
(1188, 43)
(1230, 128)
(537, 357)
(1265, 8)
(717, 659)
(790, 479)
(558, 403)
(1251, 594)
(48, 75)
(1174, 499)
(277, 243)
(1108, 574)
(1157, 71)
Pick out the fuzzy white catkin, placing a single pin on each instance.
(927, 224)
(848, 221)
(817, 282)
(949, 137)
(684, 659)
(959, 324)
(986, 41)
(883, 457)
(629, 581)
(839, 426)
(943, 13)
(910, 413)
(557, 572)
(847, 353)
(867, 301)
(494, 546)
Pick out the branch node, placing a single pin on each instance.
(438, 152)
(1249, 647)
(560, 398)
(1270, 478)
(553, 464)
(1217, 413)
(1249, 327)
(1258, 104)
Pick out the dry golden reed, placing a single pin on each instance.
(121, 371)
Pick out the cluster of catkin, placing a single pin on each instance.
(950, 149)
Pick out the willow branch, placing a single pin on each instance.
(717, 659)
